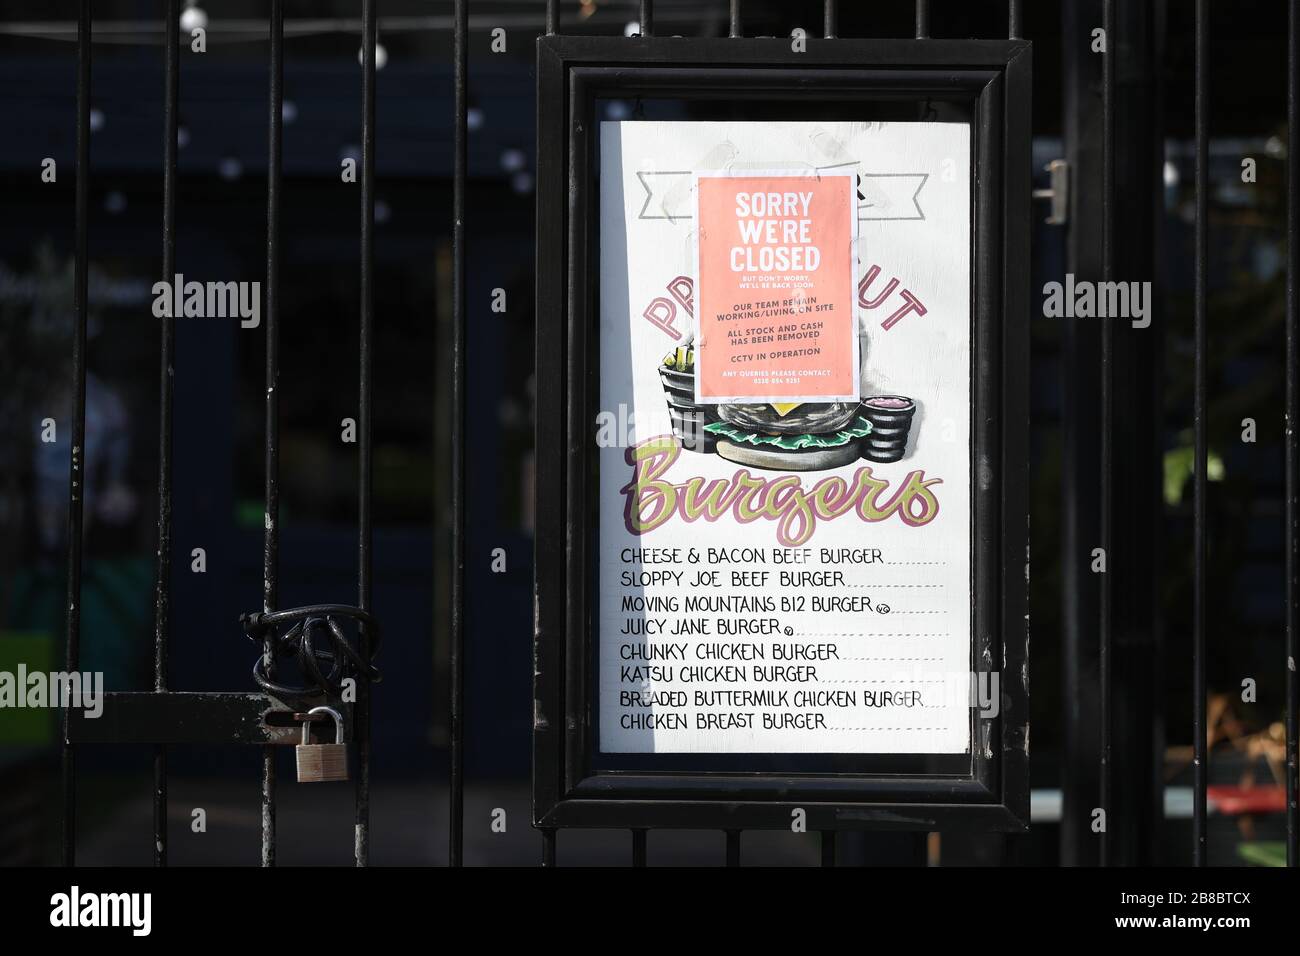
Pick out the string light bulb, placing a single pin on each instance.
(193, 17)
(381, 56)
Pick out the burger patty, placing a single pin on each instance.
(815, 418)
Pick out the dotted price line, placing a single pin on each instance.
(870, 634)
(933, 680)
(887, 728)
(896, 585)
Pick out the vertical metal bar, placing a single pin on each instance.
(828, 848)
(271, 524)
(638, 848)
(1015, 21)
(1080, 444)
(830, 17)
(1136, 805)
(162, 581)
(548, 847)
(457, 655)
(1107, 456)
(76, 473)
(735, 18)
(1199, 741)
(1292, 422)
(733, 848)
(369, 39)
(647, 18)
(922, 19)
(552, 17)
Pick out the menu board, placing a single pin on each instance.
(784, 438)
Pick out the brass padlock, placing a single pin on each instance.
(321, 763)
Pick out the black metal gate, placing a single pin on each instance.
(275, 715)
(1111, 624)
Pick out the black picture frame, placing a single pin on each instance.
(993, 77)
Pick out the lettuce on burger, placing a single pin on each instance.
(791, 436)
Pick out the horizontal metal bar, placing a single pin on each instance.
(776, 815)
(254, 30)
(179, 717)
(933, 60)
(848, 787)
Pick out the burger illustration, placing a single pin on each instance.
(791, 436)
(690, 420)
(785, 436)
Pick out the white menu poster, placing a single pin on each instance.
(784, 438)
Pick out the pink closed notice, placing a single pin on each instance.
(774, 288)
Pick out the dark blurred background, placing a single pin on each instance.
(219, 401)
